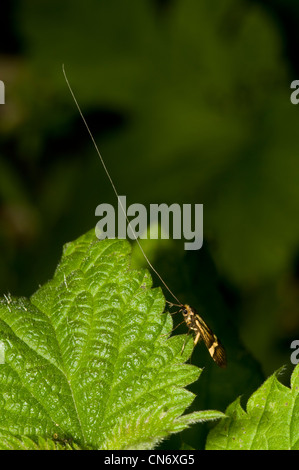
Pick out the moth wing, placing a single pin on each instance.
(211, 341)
(206, 333)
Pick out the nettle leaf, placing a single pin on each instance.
(88, 362)
(271, 420)
(11, 442)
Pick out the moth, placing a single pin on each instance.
(202, 331)
(193, 321)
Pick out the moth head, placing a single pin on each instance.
(185, 310)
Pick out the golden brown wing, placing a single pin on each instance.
(211, 341)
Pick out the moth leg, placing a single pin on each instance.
(171, 304)
(185, 342)
(197, 338)
(173, 313)
(174, 328)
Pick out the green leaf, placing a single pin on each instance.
(192, 44)
(11, 442)
(88, 360)
(271, 419)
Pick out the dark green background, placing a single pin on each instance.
(189, 102)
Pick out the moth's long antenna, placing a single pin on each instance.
(114, 188)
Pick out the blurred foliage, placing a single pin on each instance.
(189, 103)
